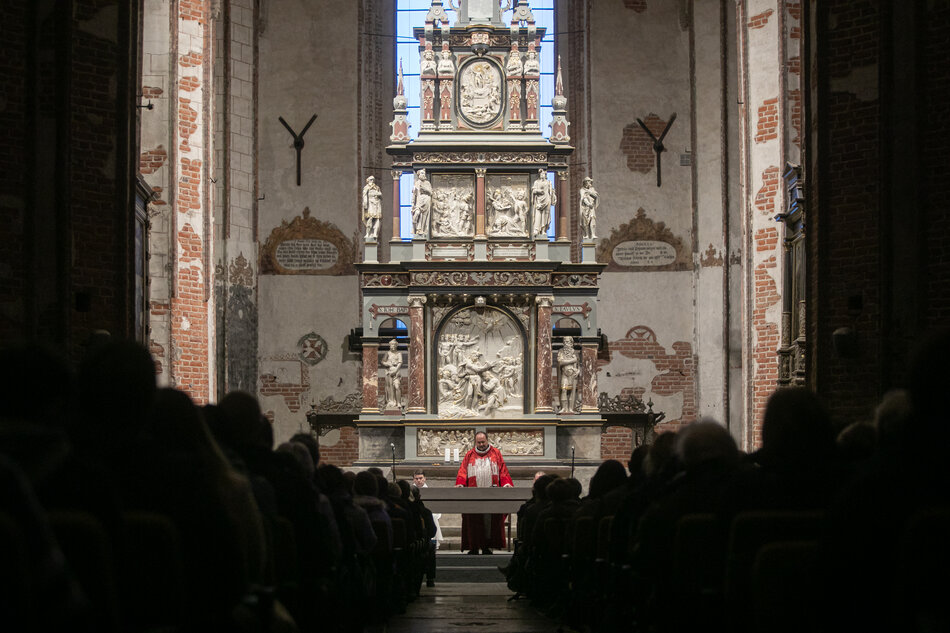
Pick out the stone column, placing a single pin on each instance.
(417, 370)
(542, 398)
(563, 207)
(589, 377)
(370, 378)
(480, 203)
(397, 176)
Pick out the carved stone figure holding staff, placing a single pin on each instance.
(568, 367)
(590, 200)
(372, 209)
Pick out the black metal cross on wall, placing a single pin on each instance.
(298, 139)
(658, 142)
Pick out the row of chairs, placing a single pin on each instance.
(758, 573)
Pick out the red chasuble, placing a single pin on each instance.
(488, 470)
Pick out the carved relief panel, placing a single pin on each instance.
(481, 91)
(506, 205)
(453, 205)
(480, 364)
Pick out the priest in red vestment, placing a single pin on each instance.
(483, 467)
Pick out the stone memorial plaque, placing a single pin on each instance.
(306, 254)
(644, 253)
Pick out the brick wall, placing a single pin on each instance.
(935, 74)
(344, 452)
(849, 257)
(13, 182)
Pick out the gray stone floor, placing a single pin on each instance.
(480, 604)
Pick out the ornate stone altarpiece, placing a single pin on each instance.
(482, 291)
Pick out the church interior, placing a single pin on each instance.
(705, 242)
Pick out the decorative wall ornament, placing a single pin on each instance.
(312, 348)
(453, 205)
(240, 272)
(620, 404)
(481, 92)
(571, 310)
(433, 442)
(479, 157)
(574, 280)
(461, 278)
(351, 403)
(480, 369)
(643, 245)
(526, 443)
(385, 280)
(308, 246)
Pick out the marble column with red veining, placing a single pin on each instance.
(542, 400)
(589, 377)
(370, 378)
(480, 202)
(397, 175)
(417, 370)
(563, 207)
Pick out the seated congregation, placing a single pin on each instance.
(125, 507)
(128, 508)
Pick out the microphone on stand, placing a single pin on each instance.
(393, 447)
(572, 460)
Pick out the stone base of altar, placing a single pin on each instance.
(523, 442)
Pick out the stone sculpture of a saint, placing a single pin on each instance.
(392, 364)
(542, 198)
(372, 209)
(589, 201)
(421, 204)
(569, 369)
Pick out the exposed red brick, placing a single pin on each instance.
(767, 126)
(765, 197)
(191, 59)
(189, 84)
(637, 145)
(760, 20)
(151, 160)
(344, 452)
(151, 92)
(187, 122)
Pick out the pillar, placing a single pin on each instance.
(480, 203)
(417, 371)
(370, 378)
(542, 399)
(397, 176)
(563, 210)
(589, 377)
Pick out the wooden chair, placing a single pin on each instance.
(152, 572)
(88, 552)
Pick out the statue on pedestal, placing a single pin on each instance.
(569, 369)
(392, 363)
(589, 201)
(372, 209)
(542, 198)
(421, 204)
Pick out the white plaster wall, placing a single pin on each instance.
(308, 65)
(639, 66)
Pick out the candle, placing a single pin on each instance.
(448, 456)
(456, 454)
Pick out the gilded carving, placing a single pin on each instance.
(240, 272)
(385, 280)
(480, 157)
(308, 246)
(574, 280)
(501, 278)
(643, 229)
